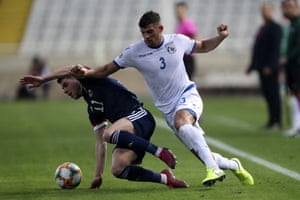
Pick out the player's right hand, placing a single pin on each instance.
(78, 71)
(32, 81)
(96, 183)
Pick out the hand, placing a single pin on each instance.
(96, 183)
(223, 30)
(267, 71)
(78, 71)
(32, 81)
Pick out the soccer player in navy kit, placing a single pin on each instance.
(131, 127)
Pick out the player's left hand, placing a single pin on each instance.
(223, 30)
(96, 183)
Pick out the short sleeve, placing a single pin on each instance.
(124, 59)
(186, 43)
(97, 121)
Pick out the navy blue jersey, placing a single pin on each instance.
(107, 99)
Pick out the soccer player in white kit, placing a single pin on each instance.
(159, 58)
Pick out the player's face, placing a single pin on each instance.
(71, 87)
(152, 34)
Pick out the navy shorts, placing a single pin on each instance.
(144, 124)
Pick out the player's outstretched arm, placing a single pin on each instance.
(64, 71)
(210, 44)
(100, 152)
(36, 81)
(80, 71)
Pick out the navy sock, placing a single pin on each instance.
(137, 173)
(127, 140)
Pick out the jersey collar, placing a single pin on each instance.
(158, 46)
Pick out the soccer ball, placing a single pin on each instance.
(68, 175)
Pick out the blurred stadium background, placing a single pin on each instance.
(93, 32)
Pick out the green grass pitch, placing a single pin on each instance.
(35, 137)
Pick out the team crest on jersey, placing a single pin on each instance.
(90, 93)
(171, 48)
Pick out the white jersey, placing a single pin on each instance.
(162, 68)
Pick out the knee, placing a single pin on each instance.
(183, 117)
(179, 122)
(106, 135)
(117, 171)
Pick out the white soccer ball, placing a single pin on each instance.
(68, 175)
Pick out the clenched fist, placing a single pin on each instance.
(223, 30)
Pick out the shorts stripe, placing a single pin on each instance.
(137, 115)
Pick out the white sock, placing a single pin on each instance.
(225, 163)
(193, 139)
(295, 113)
(164, 179)
(159, 149)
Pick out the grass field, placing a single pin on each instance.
(35, 137)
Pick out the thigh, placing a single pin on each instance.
(122, 124)
(183, 117)
(140, 122)
(144, 125)
(190, 101)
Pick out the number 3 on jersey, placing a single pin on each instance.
(162, 63)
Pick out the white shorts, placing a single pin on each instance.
(190, 100)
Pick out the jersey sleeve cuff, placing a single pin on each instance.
(194, 46)
(101, 125)
(117, 64)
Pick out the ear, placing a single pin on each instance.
(161, 28)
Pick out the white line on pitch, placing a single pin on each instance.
(216, 143)
(234, 122)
